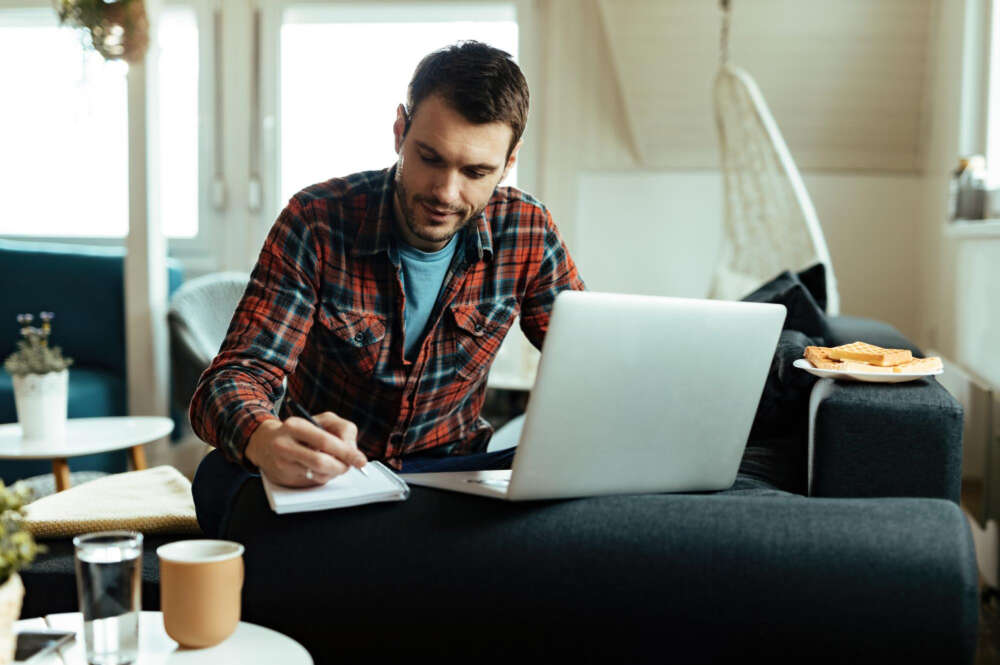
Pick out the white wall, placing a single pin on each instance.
(657, 233)
(648, 233)
(872, 223)
(977, 282)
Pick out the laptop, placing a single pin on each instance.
(635, 394)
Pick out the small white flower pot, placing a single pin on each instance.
(11, 598)
(40, 400)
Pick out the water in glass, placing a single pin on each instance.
(108, 578)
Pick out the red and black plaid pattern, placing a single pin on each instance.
(324, 308)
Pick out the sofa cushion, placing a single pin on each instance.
(95, 393)
(804, 313)
(649, 578)
(814, 279)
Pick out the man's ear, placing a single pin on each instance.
(511, 160)
(399, 127)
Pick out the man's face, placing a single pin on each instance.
(447, 171)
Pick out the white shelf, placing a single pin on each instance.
(973, 228)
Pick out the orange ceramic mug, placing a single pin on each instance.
(201, 583)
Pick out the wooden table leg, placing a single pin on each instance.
(138, 455)
(60, 469)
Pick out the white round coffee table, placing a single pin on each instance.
(248, 645)
(86, 436)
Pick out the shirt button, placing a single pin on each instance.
(479, 327)
(360, 337)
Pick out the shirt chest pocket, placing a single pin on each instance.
(476, 334)
(352, 338)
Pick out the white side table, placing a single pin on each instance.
(86, 436)
(250, 644)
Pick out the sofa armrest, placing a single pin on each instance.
(884, 439)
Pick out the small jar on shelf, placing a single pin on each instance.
(968, 193)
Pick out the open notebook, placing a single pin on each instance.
(351, 488)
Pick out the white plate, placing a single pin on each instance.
(870, 377)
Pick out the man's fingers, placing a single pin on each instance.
(346, 431)
(316, 437)
(293, 474)
(339, 427)
(322, 439)
(320, 463)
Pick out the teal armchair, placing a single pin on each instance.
(84, 286)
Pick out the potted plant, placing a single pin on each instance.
(41, 380)
(119, 29)
(17, 550)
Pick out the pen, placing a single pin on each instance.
(301, 412)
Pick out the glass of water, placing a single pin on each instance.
(108, 585)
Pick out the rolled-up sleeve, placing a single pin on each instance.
(266, 335)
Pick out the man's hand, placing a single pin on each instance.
(296, 453)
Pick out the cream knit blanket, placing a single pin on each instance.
(156, 500)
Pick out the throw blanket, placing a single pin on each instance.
(156, 500)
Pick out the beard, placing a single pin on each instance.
(410, 205)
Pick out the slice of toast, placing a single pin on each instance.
(869, 353)
(818, 356)
(920, 366)
(863, 368)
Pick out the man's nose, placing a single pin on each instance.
(446, 187)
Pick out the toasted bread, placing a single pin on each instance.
(869, 353)
(817, 355)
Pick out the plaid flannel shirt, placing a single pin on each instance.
(324, 308)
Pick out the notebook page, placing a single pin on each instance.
(346, 486)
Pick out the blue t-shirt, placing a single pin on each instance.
(423, 277)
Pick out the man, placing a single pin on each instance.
(383, 297)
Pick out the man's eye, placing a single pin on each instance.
(429, 160)
(475, 175)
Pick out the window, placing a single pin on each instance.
(252, 105)
(64, 170)
(344, 70)
(64, 138)
(178, 121)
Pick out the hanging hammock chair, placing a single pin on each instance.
(770, 223)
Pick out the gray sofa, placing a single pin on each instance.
(877, 565)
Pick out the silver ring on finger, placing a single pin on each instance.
(309, 473)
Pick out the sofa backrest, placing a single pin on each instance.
(82, 285)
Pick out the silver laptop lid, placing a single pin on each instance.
(643, 394)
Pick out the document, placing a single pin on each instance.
(351, 488)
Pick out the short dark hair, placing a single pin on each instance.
(482, 83)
